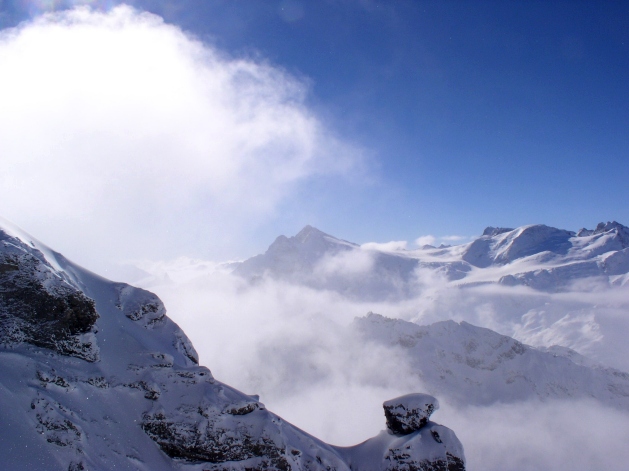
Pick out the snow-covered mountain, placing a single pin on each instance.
(472, 365)
(95, 376)
(322, 261)
(537, 256)
(540, 285)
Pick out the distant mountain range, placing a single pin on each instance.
(537, 256)
(540, 285)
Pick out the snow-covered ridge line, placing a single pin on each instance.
(467, 364)
(94, 375)
(537, 256)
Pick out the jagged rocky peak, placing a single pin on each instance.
(288, 256)
(610, 226)
(409, 413)
(505, 247)
(494, 231)
(309, 239)
(621, 233)
(603, 227)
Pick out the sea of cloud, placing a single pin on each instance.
(295, 347)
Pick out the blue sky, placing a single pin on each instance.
(478, 113)
(468, 114)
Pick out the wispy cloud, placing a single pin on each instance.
(391, 246)
(425, 240)
(141, 139)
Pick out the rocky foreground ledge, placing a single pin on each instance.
(94, 376)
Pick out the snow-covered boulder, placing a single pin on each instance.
(411, 441)
(407, 414)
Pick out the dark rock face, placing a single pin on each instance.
(39, 308)
(215, 442)
(493, 231)
(401, 461)
(247, 434)
(409, 413)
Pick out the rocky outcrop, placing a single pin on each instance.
(411, 442)
(409, 413)
(39, 307)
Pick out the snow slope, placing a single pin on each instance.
(94, 375)
(471, 365)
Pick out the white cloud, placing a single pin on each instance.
(135, 138)
(391, 246)
(577, 435)
(350, 262)
(291, 345)
(425, 240)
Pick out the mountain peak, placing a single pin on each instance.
(308, 232)
(492, 231)
(609, 226)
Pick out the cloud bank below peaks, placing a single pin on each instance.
(141, 138)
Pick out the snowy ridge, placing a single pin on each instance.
(473, 365)
(541, 257)
(95, 376)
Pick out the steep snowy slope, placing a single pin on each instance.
(477, 366)
(94, 376)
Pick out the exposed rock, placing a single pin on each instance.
(407, 414)
(492, 231)
(39, 307)
(246, 434)
(56, 423)
(140, 305)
